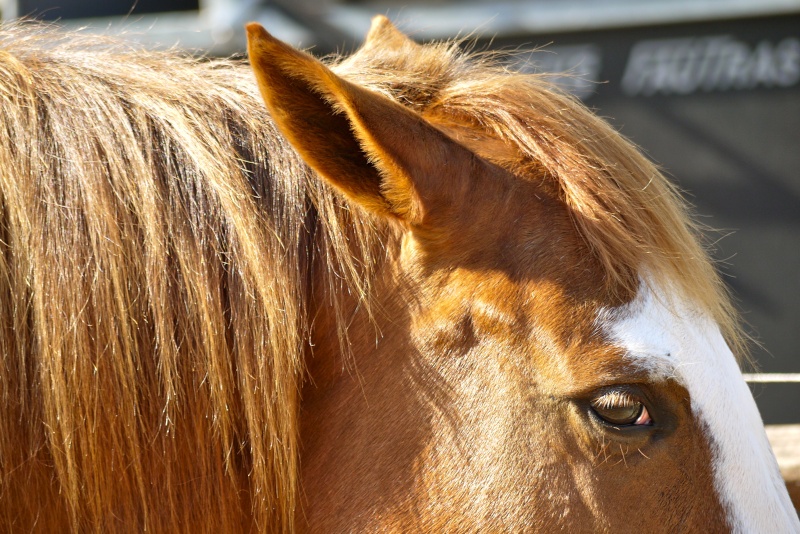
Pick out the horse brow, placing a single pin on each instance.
(659, 364)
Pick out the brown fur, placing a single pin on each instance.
(170, 269)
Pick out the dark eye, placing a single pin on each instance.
(619, 408)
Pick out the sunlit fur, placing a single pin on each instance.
(157, 242)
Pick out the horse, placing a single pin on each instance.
(404, 290)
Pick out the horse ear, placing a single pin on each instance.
(380, 154)
(384, 34)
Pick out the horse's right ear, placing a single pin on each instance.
(380, 154)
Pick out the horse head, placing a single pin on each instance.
(544, 345)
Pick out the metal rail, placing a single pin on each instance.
(761, 378)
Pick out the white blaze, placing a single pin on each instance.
(666, 333)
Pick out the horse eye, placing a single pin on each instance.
(618, 408)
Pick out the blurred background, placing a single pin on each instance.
(710, 89)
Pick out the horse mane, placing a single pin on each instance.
(155, 243)
(155, 235)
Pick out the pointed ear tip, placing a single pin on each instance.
(382, 30)
(254, 29)
(381, 24)
(380, 21)
(257, 34)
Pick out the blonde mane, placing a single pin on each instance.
(156, 238)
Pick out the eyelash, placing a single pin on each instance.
(615, 399)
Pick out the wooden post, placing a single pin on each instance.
(785, 440)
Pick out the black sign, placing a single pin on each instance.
(671, 60)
